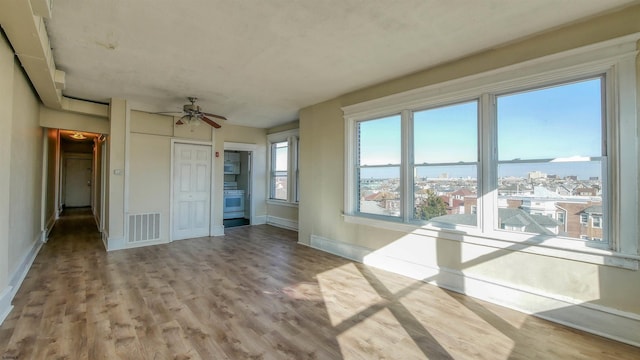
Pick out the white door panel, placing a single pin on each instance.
(191, 190)
(78, 182)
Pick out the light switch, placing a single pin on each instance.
(117, 172)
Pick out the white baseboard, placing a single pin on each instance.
(97, 220)
(259, 220)
(5, 303)
(116, 243)
(217, 230)
(23, 267)
(105, 238)
(18, 275)
(49, 226)
(607, 322)
(349, 251)
(282, 222)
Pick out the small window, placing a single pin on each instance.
(561, 217)
(283, 165)
(596, 221)
(279, 165)
(584, 218)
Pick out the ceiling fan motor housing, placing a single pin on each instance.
(191, 108)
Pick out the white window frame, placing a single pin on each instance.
(584, 218)
(593, 221)
(615, 59)
(292, 138)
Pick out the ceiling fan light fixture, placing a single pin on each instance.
(78, 136)
(194, 121)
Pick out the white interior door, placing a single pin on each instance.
(77, 182)
(191, 190)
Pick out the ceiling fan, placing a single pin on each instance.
(192, 114)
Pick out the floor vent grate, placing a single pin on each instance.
(144, 227)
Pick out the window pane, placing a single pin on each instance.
(279, 166)
(379, 141)
(446, 193)
(281, 156)
(379, 190)
(447, 134)
(557, 122)
(279, 189)
(550, 172)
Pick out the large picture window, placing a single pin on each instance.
(517, 156)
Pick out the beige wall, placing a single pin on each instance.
(25, 172)
(21, 149)
(150, 181)
(283, 212)
(288, 126)
(6, 121)
(322, 182)
(57, 119)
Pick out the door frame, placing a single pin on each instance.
(211, 181)
(252, 150)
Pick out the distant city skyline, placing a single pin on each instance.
(583, 170)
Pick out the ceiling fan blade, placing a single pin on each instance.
(215, 116)
(210, 122)
(180, 122)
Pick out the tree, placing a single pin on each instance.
(430, 207)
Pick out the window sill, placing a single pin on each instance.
(282, 203)
(554, 247)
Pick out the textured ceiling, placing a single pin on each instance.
(259, 62)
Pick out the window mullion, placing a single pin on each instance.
(487, 171)
(406, 166)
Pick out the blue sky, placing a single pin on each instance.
(555, 122)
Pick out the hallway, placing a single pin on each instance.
(256, 294)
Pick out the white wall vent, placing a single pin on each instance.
(144, 227)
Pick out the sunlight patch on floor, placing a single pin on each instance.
(379, 336)
(462, 326)
(346, 293)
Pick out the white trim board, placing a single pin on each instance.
(282, 222)
(5, 303)
(607, 322)
(217, 230)
(259, 220)
(16, 279)
(116, 243)
(21, 271)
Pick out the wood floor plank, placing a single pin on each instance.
(256, 294)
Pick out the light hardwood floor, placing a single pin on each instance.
(256, 294)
